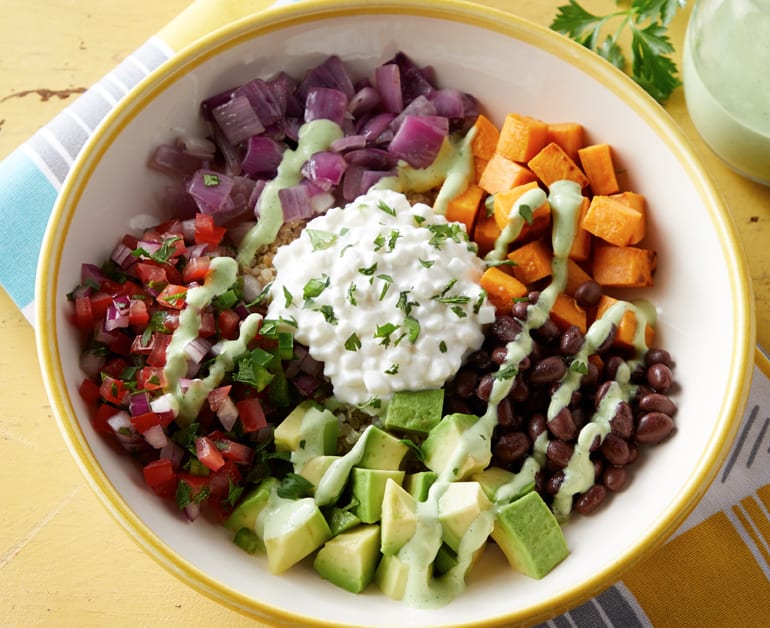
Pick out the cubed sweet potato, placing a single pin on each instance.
(521, 137)
(613, 220)
(484, 141)
(569, 135)
(501, 288)
(552, 163)
(566, 312)
(639, 203)
(626, 329)
(532, 261)
(485, 232)
(599, 166)
(575, 276)
(624, 266)
(581, 245)
(504, 201)
(501, 174)
(464, 208)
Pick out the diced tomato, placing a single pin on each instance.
(113, 390)
(208, 325)
(196, 269)
(89, 390)
(229, 324)
(173, 296)
(151, 275)
(157, 355)
(220, 481)
(196, 483)
(237, 452)
(99, 419)
(84, 315)
(207, 452)
(150, 378)
(206, 232)
(139, 347)
(115, 367)
(217, 396)
(118, 342)
(160, 476)
(138, 315)
(252, 414)
(100, 301)
(130, 289)
(146, 420)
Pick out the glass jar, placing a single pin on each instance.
(726, 76)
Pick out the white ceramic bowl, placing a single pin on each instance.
(702, 291)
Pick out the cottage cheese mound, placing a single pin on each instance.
(385, 294)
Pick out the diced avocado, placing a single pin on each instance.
(391, 576)
(368, 486)
(341, 520)
(446, 559)
(415, 412)
(382, 450)
(293, 529)
(502, 486)
(350, 559)
(248, 540)
(530, 536)
(458, 507)
(246, 512)
(399, 518)
(314, 468)
(446, 439)
(307, 432)
(418, 484)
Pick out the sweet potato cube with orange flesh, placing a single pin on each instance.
(485, 232)
(626, 329)
(581, 245)
(553, 164)
(566, 312)
(624, 266)
(613, 221)
(532, 261)
(478, 167)
(484, 141)
(521, 137)
(599, 167)
(501, 288)
(569, 135)
(464, 208)
(501, 174)
(575, 276)
(639, 203)
(503, 203)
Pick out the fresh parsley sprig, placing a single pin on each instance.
(651, 65)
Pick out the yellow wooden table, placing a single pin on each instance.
(63, 560)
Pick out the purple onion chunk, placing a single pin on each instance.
(237, 119)
(387, 80)
(419, 139)
(263, 155)
(211, 191)
(326, 103)
(325, 169)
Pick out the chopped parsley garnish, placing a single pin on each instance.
(404, 304)
(459, 299)
(294, 486)
(384, 332)
(427, 263)
(328, 314)
(479, 301)
(368, 271)
(163, 254)
(352, 288)
(387, 279)
(383, 206)
(458, 311)
(578, 367)
(412, 329)
(353, 342)
(321, 240)
(288, 298)
(418, 219)
(395, 234)
(392, 370)
(525, 211)
(210, 180)
(442, 347)
(379, 242)
(442, 233)
(507, 372)
(315, 286)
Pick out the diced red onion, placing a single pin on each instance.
(237, 119)
(197, 349)
(211, 191)
(325, 169)
(122, 256)
(192, 510)
(284, 88)
(263, 154)
(306, 384)
(164, 404)
(374, 127)
(139, 403)
(295, 202)
(91, 273)
(155, 437)
(173, 452)
(172, 160)
(91, 362)
(263, 101)
(329, 73)
(420, 106)
(365, 100)
(349, 142)
(387, 80)
(178, 203)
(325, 103)
(419, 139)
(449, 103)
(372, 158)
(415, 82)
(117, 316)
(210, 103)
(252, 287)
(197, 250)
(196, 146)
(227, 413)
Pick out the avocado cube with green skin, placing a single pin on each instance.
(414, 412)
(382, 450)
(368, 487)
(446, 559)
(292, 530)
(314, 469)
(445, 441)
(308, 431)
(418, 484)
(458, 507)
(399, 518)
(530, 536)
(350, 559)
(391, 576)
(341, 520)
(251, 505)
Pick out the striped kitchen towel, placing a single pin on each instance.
(715, 570)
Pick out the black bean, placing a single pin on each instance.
(622, 423)
(658, 356)
(519, 390)
(615, 450)
(660, 377)
(548, 370)
(590, 500)
(633, 452)
(548, 332)
(612, 365)
(614, 478)
(588, 293)
(512, 446)
(606, 344)
(506, 417)
(484, 387)
(654, 427)
(537, 425)
(533, 296)
(601, 391)
(524, 364)
(505, 328)
(479, 360)
(571, 340)
(559, 453)
(591, 377)
(519, 310)
(655, 402)
(498, 355)
(562, 425)
(553, 483)
(465, 383)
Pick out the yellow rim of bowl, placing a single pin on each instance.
(48, 299)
